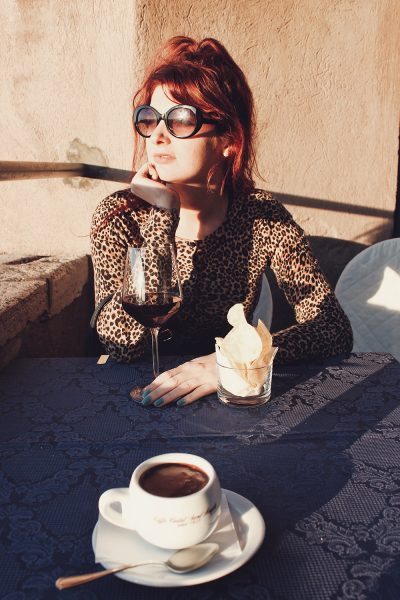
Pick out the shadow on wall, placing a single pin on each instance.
(342, 207)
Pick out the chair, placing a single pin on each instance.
(369, 292)
(264, 307)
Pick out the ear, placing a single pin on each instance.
(227, 151)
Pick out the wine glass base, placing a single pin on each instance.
(137, 393)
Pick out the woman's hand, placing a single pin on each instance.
(186, 383)
(147, 185)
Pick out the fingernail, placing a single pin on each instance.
(159, 402)
(146, 400)
(181, 402)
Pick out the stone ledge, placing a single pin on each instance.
(20, 302)
(37, 288)
(9, 351)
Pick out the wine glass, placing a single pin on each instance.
(151, 292)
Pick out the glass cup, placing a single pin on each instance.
(244, 386)
(151, 293)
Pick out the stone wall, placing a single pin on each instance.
(45, 306)
(326, 80)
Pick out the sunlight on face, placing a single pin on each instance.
(182, 160)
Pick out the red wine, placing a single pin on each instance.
(156, 310)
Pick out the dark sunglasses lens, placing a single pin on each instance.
(182, 121)
(146, 121)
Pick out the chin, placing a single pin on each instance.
(168, 176)
(178, 180)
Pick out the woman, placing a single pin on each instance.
(194, 113)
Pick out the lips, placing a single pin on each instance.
(163, 158)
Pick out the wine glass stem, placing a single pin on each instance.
(154, 350)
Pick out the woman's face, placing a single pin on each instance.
(182, 160)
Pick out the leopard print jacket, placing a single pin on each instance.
(224, 268)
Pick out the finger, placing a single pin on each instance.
(168, 386)
(142, 172)
(164, 383)
(166, 376)
(139, 177)
(159, 380)
(185, 388)
(170, 380)
(146, 172)
(153, 172)
(199, 392)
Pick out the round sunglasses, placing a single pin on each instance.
(182, 120)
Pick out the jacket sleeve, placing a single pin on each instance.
(322, 328)
(123, 337)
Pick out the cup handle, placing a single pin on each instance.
(111, 506)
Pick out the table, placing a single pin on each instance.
(320, 461)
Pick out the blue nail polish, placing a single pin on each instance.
(146, 400)
(159, 402)
(181, 402)
(145, 393)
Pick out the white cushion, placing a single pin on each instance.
(369, 292)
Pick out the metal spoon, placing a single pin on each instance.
(181, 561)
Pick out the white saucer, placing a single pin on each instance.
(250, 529)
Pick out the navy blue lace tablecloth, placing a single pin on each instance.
(321, 461)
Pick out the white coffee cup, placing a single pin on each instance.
(174, 523)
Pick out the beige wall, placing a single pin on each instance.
(325, 77)
(67, 70)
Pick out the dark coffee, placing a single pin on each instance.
(172, 480)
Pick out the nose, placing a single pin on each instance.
(161, 134)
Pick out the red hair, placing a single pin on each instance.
(205, 75)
